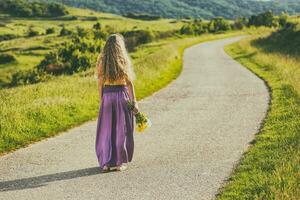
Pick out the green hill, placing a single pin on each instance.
(185, 8)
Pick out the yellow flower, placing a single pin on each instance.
(141, 127)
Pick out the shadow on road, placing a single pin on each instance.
(39, 181)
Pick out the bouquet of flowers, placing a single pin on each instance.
(141, 119)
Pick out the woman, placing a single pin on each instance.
(114, 139)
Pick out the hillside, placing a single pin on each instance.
(184, 8)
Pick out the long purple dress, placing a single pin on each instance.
(114, 136)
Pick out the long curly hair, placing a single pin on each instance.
(114, 62)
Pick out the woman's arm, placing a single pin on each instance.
(100, 86)
(100, 77)
(132, 97)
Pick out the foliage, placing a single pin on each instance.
(142, 16)
(50, 30)
(7, 58)
(22, 8)
(229, 9)
(283, 19)
(137, 37)
(97, 26)
(197, 27)
(25, 77)
(7, 37)
(75, 56)
(218, 24)
(32, 32)
(239, 23)
(264, 19)
(287, 41)
(64, 31)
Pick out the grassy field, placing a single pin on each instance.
(270, 169)
(29, 51)
(33, 112)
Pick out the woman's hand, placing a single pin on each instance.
(135, 109)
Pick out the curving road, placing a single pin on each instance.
(202, 123)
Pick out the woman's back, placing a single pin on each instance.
(116, 82)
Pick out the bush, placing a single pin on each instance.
(7, 37)
(22, 8)
(75, 56)
(239, 23)
(90, 18)
(7, 58)
(50, 30)
(187, 30)
(196, 27)
(64, 32)
(142, 16)
(31, 32)
(27, 77)
(218, 24)
(97, 26)
(67, 18)
(283, 20)
(264, 19)
(137, 37)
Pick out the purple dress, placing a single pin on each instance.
(115, 125)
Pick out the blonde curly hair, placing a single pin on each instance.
(113, 62)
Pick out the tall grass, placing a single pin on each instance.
(270, 169)
(31, 113)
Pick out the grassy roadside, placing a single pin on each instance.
(270, 169)
(33, 112)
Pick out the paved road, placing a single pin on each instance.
(202, 123)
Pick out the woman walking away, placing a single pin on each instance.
(115, 126)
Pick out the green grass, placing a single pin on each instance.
(33, 112)
(270, 169)
(29, 51)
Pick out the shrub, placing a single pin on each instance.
(187, 29)
(50, 30)
(142, 16)
(31, 32)
(97, 26)
(197, 27)
(7, 37)
(81, 32)
(218, 24)
(283, 20)
(67, 18)
(22, 8)
(27, 77)
(137, 37)
(239, 23)
(75, 56)
(7, 58)
(90, 18)
(264, 19)
(64, 31)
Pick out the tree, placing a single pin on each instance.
(239, 23)
(218, 24)
(263, 19)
